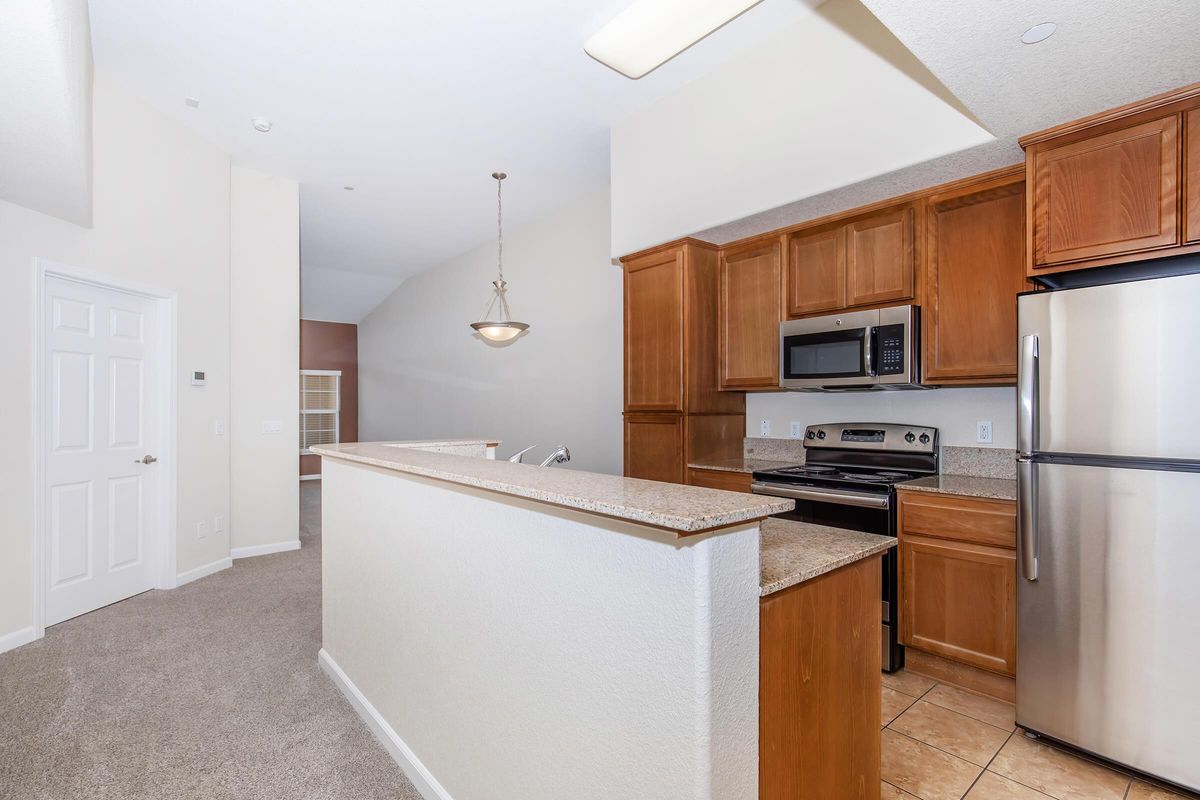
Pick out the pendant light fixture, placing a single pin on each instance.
(499, 327)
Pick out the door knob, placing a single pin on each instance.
(147, 459)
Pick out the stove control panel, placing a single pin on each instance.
(884, 436)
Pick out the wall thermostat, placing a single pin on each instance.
(198, 378)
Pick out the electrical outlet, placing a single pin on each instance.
(764, 427)
(201, 530)
(219, 524)
(797, 430)
(983, 431)
(272, 426)
(219, 427)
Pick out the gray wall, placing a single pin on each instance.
(424, 373)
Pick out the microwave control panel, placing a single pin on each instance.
(890, 343)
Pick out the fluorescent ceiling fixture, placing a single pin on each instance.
(649, 33)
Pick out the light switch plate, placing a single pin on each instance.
(797, 430)
(219, 524)
(983, 431)
(272, 426)
(201, 530)
(219, 427)
(764, 427)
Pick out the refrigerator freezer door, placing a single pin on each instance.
(1117, 369)
(1108, 636)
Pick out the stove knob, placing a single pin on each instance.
(810, 435)
(910, 437)
(924, 438)
(820, 434)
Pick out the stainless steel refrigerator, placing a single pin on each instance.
(1108, 587)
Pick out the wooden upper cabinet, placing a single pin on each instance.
(1109, 194)
(1191, 177)
(974, 268)
(749, 316)
(654, 332)
(816, 272)
(880, 258)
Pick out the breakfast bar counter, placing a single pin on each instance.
(508, 630)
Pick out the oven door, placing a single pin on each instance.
(828, 352)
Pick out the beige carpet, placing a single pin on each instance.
(208, 691)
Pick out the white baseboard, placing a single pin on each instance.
(400, 752)
(316, 477)
(264, 549)
(202, 572)
(11, 641)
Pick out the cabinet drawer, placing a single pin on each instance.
(963, 519)
(720, 479)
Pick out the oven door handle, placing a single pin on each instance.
(838, 496)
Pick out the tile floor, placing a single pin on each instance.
(941, 742)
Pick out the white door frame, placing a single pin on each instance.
(164, 546)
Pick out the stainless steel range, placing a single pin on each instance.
(849, 481)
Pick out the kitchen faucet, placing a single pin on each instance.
(561, 455)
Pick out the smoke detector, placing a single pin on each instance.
(261, 125)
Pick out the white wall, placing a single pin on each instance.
(525, 651)
(953, 412)
(826, 102)
(423, 373)
(264, 261)
(161, 218)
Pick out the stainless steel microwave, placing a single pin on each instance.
(857, 350)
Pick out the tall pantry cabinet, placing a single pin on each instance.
(674, 410)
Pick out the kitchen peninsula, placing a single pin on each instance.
(509, 630)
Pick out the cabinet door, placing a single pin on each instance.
(959, 601)
(748, 317)
(1107, 195)
(816, 272)
(879, 258)
(1191, 177)
(975, 268)
(654, 447)
(654, 332)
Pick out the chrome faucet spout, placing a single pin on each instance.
(518, 458)
(561, 455)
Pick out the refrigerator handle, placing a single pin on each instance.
(1027, 425)
(1027, 506)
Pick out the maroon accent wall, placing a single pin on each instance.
(332, 345)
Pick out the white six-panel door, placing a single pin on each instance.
(101, 394)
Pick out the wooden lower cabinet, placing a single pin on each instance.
(819, 688)
(654, 447)
(720, 479)
(958, 579)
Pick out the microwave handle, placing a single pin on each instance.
(869, 350)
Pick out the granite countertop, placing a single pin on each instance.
(683, 509)
(794, 552)
(967, 485)
(741, 464)
(418, 443)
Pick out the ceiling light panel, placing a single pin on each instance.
(651, 32)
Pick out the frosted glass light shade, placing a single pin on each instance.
(499, 331)
(651, 32)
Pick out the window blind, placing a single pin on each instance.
(320, 407)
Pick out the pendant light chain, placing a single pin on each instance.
(499, 176)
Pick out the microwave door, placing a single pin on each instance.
(818, 353)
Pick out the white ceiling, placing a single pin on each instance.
(46, 73)
(1105, 53)
(414, 104)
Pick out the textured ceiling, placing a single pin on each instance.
(46, 72)
(413, 104)
(1105, 53)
